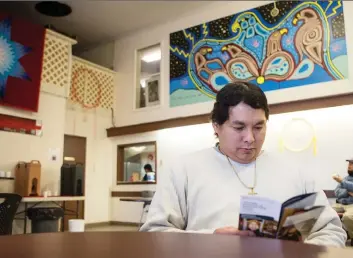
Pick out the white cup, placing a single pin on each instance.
(8, 174)
(2, 173)
(76, 225)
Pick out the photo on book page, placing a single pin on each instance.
(260, 215)
(262, 226)
(290, 233)
(299, 223)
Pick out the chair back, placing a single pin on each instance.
(8, 210)
(330, 193)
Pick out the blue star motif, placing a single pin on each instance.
(10, 53)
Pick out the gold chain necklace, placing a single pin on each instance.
(252, 192)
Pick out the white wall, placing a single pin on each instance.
(125, 51)
(58, 121)
(334, 146)
(102, 54)
(17, 147)
(92, 125)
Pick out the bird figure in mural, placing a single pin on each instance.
(241, 66)
(278, 64)
(209, 71)
(309, 37)
(257, 53)
(274, 42)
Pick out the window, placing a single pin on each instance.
(148, 77)
(137, 163)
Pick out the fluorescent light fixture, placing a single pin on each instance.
(151, 57)
(138, 149)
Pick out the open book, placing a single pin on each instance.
(291, 220)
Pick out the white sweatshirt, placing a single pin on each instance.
(201, 191)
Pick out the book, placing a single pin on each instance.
(291, 220)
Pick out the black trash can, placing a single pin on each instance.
(45, 219)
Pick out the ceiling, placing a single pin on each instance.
(94, 22)
(133, 154)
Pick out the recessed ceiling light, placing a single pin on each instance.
(138, 149)
(53, 8)
(152, 57)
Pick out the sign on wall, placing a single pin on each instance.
(277, 46)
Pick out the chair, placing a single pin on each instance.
(144, 210)
(8, 210)
(146, 204)
(331, 194)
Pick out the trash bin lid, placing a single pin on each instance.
(45, 213)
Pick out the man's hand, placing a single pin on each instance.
(337, 178)
(350, 193)
(233, 231)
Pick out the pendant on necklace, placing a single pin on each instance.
(252, 192)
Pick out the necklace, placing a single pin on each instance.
(251, 188)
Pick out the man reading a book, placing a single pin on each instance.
(201, 191)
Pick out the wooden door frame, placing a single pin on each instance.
(84, 171)
(81, 137)
(120, 163)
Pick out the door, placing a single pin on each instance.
(75, 147)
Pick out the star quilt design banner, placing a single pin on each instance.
(21, 57)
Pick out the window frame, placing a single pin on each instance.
(137, 79)
(120, 163)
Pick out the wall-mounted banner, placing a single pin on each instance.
(21, 56)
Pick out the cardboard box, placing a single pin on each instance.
(27, 179)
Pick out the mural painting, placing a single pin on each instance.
(276, 46)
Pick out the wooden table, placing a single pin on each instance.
(158, 245)
(36, 200)
(53, 199)
(136, 199)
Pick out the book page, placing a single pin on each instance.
(301, 201)
(260, 215)
(295, 204)
(299, 224)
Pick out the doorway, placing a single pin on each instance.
(75, 148)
